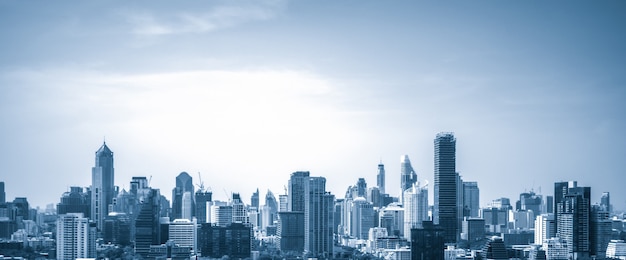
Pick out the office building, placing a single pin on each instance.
(415, 207)
(605, 202)
(391, 217)
(254, 199)
(495, 249)
(184, 183)
(473, 229)
(616, 249)
(380, 178)
(272, 206)
(3, 195)
(102, 185)
(445, 206)
(496, 219)
(471, 199)
(362, 218)
(222, 215)
(318, 218)
(76, 237)
(601, 230)
(147, 223)
(117, 229)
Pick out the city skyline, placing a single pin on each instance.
(259, 90)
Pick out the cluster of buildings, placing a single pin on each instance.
(308, 221)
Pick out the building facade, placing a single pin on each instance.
(102, 185)
(445, 206)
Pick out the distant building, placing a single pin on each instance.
(362, 218)
(473, 229)
(102, 185)
(222, 215)
(446, 206)
(184, 183)
(254, 199)
(574, 219)
(556, 249)
(545, 228)
(496, 219)
(296, 191)
(605, 202)
(117, 229)
(471, 199)
(407, 175)
(495, 249)
(3, 195)
(75, 201)
(147, 223)
(203, 197)
(76, 237)
(391, 217)
(616, 249)
(380, 178)
(601, 230)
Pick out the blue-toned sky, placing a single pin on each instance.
(247, 92)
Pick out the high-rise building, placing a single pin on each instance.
(601, 230)
(380, 178)
(471, 199)
(240, 213)
(234, 241)
(74, 201)
(473, 229)
(76, 237)
(574, 216)
(3, 195)
(545, 228)
(187, 205)
(605, 202)
(184, 233)
(290, 232)
(296, 191)
(362, 218)
(496, 219)
(283, 205)
(427, 242)
(407, 174)
(117, 229)
(530, 201)
(318, 218)
(184, 183)
(221, 215)
(203, 197)
(495, 249)
(361, 188)
(272, 209)
(254, 199)
(102, 185)
(391, 217)
(445, 207)
(147, 223)
(415, 207)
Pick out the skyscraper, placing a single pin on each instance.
(361, 188)
(102, 185)
(415, 208)
(3, 195)
(76, 237)
(407, 174)
(254, 199)
(574, 217)
(202, 198)
(319, 207)
(380, 178)
(184, 183)
(471, 198)
(296, 191)
(445, 211)
(605, 202)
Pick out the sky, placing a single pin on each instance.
(247, 92)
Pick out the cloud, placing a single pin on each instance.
(218, 17)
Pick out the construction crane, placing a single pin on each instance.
(201, 186)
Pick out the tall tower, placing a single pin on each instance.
(184, 183)
(102, 189)
(407, 175)
(574, 220)
(296, 191)
(380, 178)
(319, 207)
(3, 196)
(471, 198)
(415, 207)
(76, 237)
(445, 211)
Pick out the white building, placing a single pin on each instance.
(556, 249)
(221, 215)
(184, 233)
(415, 207)
(76, 238)
(616, 249)
(392, 218)
(187, 205)
(545, 228)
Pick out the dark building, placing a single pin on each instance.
(495, 249)
(601, 230)
(380, 178)
(7, 228)
(22, 208)
(427, 243)
(573, 219)
(202, 197)
(290, 232)
(147, 224)
(234, 240)
(74, 201)
(184, 183)
(3, 195)
(605, 202)
(445, 211)
(117, 227)
(254, 199)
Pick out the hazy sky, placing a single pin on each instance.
(247, 92)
